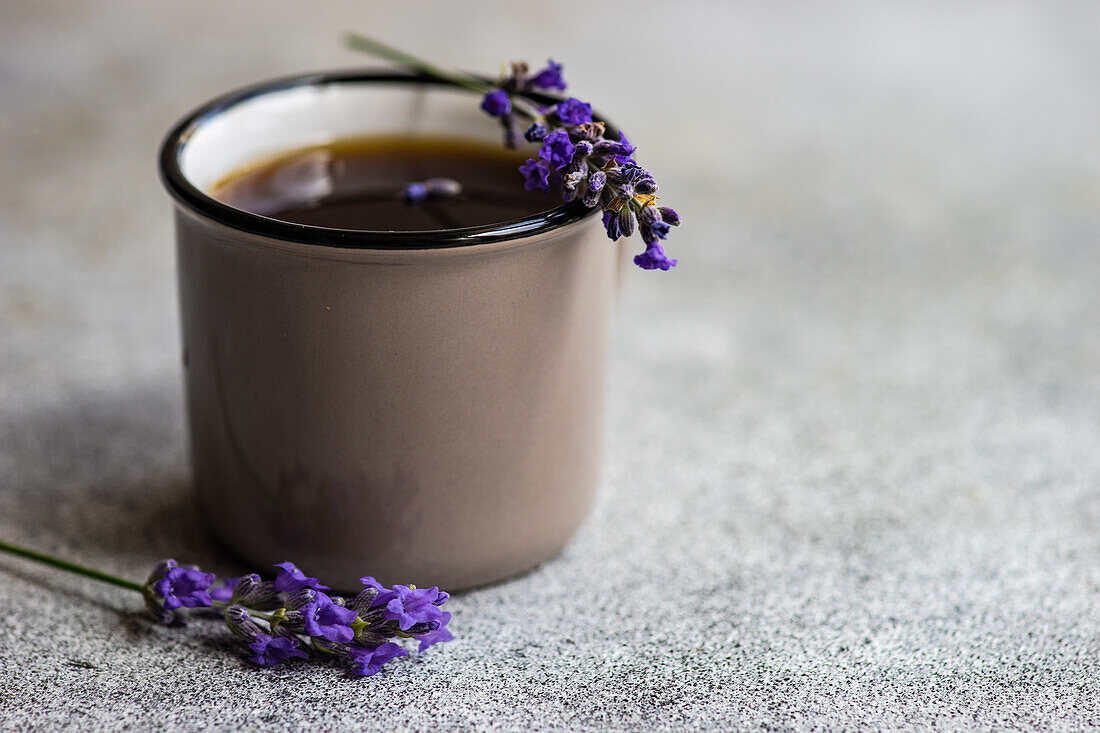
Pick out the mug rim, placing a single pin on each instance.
(190, 196)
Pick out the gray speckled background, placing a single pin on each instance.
(853, 471)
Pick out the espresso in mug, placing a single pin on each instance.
(387, 184)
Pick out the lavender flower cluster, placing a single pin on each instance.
(284, 618)
(582, 161)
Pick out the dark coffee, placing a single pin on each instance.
(364, 183)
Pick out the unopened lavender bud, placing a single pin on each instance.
(374, 617)
(238, 621)
(584, 149)
(332, 647)
(646, 186)
(369, 638)
(648, 215)
(596, 181)
(626, 221)
(362, 601)
(423, 628)
(590, 198)
(572, 180)
(300, 598)
(626, 191)
(536, 133)
(245, 587)
(669, 216)
(293, 619)
(604, 147)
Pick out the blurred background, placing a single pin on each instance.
(853, 464)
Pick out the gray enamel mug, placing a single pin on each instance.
(423, 407)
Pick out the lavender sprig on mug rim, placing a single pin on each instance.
(574, 153)
(292, 616)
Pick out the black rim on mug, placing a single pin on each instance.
(189, 195)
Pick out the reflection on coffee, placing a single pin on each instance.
(387, 184)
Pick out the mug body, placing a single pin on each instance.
(424, 407)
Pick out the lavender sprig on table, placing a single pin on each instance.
(291, 616)
(574, 153)
(285, 618)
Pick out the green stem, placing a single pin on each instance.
(362, 43)
(71, 567)
(358, 42)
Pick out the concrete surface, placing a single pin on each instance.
(853, 470)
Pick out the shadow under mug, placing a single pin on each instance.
(424, 407)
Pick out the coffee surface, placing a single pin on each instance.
(361, 184)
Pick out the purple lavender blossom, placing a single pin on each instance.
(324, 618)
(368, 660)
(224, 591)
(437, 635)
(574, 112)
(270, 650)
(611, 224)
(384, 594)
(536, 174)
(654, 258)
(240, 623)
(413, 606)
(669, 215)
(557, 149)
(183, 587)
(497, 103)
(290, 579)
(416, 192)
(626, 150)
(536, 132)
(550, 77)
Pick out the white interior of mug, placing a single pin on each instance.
(297, 117)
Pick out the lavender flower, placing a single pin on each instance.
(383, 595)
(496, 103)
(574, 112)
(415, 192)
(536, 132)
(224, 590)
(368, 660)
(437, 635)
(290, 579)
(357, 630)
(549, 78)
(239, 622)
(624, 189)
(328, 620)
(411, 606)
(360, 631)
(557, 149)
(270, 650)
(178, 586)
(536, 174)
(654, 258)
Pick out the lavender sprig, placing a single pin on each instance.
(291, 616)
(573, 152)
